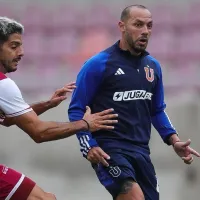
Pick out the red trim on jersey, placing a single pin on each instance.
(2, 76)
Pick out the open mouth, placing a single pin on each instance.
(143, 41)
(16, 61)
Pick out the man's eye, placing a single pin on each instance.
(138, 25)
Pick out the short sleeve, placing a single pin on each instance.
(11, 101)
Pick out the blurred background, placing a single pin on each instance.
(59, 36)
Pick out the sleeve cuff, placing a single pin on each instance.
(166, 140)
(86, 144)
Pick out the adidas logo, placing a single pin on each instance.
(119, 72)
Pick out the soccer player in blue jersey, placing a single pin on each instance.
(127, 78)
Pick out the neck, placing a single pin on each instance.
(2, 69)
(125, 46)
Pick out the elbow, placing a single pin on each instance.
(157, 112)
(37, 139)
(7, 125)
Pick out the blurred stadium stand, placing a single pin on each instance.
(59, 37)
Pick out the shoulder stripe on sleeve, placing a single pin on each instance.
(20, 112)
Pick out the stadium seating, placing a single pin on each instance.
(67, 35)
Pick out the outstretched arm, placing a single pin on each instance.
(41, 107)
(13, 105)
(161, 122)
(41, 131)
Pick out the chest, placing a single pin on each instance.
(128, 76)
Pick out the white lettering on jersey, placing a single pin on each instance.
(132, 95)
(5, 170)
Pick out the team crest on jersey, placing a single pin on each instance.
(149, 73)
(115, 171)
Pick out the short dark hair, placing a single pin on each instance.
(125, 13)
(8, 27)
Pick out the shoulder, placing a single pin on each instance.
(8, 85)
(99, 58)
(11, 100)
(9, 91)
(156, 64)
(96, 64)
(154, 60)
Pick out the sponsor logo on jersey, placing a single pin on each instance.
(132, 95)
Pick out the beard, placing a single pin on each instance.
(8, 66)
(133, 44)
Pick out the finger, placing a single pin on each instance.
(105, 127)
(106, 122)
(105, 112)
(60, 91)
(187, 143)
(192, 151)
(104, 162)
(66, 90)
(70, 87)
(187, 158)
(97, 157)
(88, 110)
(189, 161)
(93, 160)
(104, 155)
(93, 156)
(59, 99)
(70, 84)
(109, 116)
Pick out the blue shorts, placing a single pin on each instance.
(125, 165)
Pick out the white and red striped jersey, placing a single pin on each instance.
(11, 101)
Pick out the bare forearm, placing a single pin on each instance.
(49, 131)
(173, 139)
(38, 108)
(41, 107)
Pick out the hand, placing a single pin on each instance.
(97, 155)
(185, 152)
(100, 120)
(60, 94)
